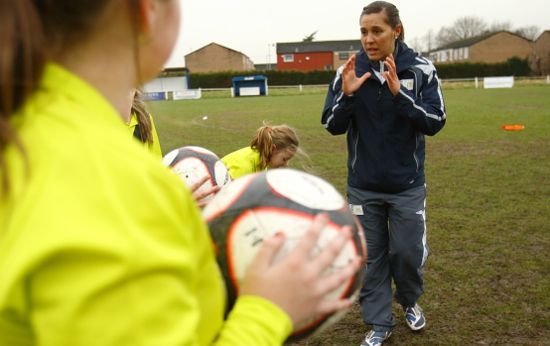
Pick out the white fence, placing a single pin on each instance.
(480, 82)
(456, 83)
(163, 84)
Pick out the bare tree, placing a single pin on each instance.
(430, 40)
(310, 37)
(529, 32)
(417, 44)
(462, 28)
(467, 27)
(501, 26)
(423, 44)
(445, 36)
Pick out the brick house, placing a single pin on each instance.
(215, 57)
(316, 55)
(488, 48)
(541, 54)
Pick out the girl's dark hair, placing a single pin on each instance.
(392, 14)
(21, 64)
(25, 26)
(67, 22)
(143, 119)
(270, 138)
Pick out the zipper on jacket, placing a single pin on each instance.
(415, 150)
(355, 152)
(384, 167)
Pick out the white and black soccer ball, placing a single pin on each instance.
(257, 206)
(192, 163)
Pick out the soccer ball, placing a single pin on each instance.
(259, 205)
(192, 163)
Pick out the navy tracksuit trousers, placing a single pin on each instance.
(395, 230)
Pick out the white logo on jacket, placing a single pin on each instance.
(408, 83)
(356, 209)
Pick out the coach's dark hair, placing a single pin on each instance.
(25, 27)
(392, 14)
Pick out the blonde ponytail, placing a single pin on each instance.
(263, 143)
(144, 122)
(270, 138)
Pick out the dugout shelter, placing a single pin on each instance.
(249, 86)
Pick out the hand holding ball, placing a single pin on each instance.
(311, 267)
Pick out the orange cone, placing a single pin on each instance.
(515, 127)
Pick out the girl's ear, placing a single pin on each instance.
(146, 17)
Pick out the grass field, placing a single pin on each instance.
(488, 207)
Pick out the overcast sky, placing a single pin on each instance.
(254, 26)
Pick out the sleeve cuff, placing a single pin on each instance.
(348, 97)
(259, 321)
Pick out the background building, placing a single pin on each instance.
(265, 67)
(311, 56)
(215, 57)
(489, 48)
(541, 54)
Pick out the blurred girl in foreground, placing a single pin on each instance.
(76, 267)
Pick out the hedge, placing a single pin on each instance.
(223, 79)
(512, 67)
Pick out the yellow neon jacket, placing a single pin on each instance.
(100, 245)
(242, 162)
(153, 147)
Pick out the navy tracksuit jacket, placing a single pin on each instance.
(385, 134)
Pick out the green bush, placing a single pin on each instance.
(512, 67)
(223, 79)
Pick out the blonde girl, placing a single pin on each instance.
(271, 147)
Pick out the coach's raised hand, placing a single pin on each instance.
(350, 81)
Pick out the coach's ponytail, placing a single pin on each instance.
(21, 65)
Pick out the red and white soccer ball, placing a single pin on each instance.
(259, 205)
(192, 163)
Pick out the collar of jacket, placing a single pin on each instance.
(403, 55)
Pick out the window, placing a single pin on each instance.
(343, 55)
(288, 57)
